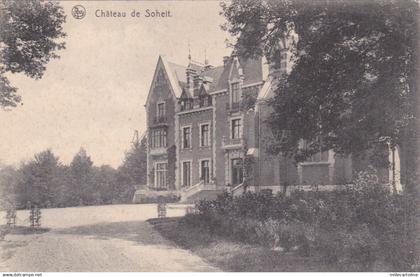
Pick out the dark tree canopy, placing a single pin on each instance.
(353, 83)
(30, 35)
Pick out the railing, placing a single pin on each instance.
(239, 189)
(141, 187)
(233, 142)
(159, 119)
(189, 191)
(153, 188)
(158, 151)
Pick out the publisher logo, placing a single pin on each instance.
(78, 12)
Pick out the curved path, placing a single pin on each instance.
(107, 238)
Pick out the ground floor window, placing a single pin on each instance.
(205, 171)
(237, 171)
(186, 174)
(161, 171)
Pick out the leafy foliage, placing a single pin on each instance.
(30, 36)
(44, 181)
(355, 67)
(356, 229)
(132, 172)
(38, 179)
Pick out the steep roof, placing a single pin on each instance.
(252, 72)
(218, 76)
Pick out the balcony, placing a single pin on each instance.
(160, 121)
(158, 151)
(233, 143)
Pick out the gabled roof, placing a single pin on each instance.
(202, 91)
(251, 68)
(178, 71)
(185, 94)
(218, 77)
(174, 74)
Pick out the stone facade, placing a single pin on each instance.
(206, 125)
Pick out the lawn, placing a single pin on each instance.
(234, 256)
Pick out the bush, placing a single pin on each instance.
(156, 197)
(355, 228)
(350, 251)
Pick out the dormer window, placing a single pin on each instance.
(235, 92)
(205, 101)
(186, 104)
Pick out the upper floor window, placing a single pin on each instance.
(186, 137)
(236, 93)
(161, 111)
(186, 104)
(158, 138)
(205, 135)
(236, 131)
(205, 101)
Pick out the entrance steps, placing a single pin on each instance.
(200, 191)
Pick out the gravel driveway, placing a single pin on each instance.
(104, 238)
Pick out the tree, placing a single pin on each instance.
(8, 182)
(39, 180)
(105, 180)
(133, 171)
(354, 80)
(30, 35)
(82, 185)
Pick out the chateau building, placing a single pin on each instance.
(206, 132)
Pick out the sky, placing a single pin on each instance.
(94, 95)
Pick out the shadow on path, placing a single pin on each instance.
(139, 232)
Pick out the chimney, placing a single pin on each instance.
(225, 60)
(198, 81)
(190, 78)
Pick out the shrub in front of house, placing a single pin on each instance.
(156, 197)
(356, 229)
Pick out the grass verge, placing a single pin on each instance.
(234, 256)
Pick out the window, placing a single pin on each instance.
(205, 171)
(186, 174)
(158, 138)
(186, 137)
(160, 173)
(189, 104)
(236, 131)
(204, 135)
(236, 93)
(186, 104)
(161, 110)
(205, 101)
(237, 171)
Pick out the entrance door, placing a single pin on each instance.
(237, 172)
